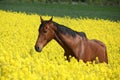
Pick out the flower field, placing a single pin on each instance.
(20, 61)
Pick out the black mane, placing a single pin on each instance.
(65, 30)
(82, 34)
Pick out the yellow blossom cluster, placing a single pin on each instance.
(19, 60)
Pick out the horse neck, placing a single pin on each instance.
(59, 38)
(63, 39)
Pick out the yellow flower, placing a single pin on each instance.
(19, 60)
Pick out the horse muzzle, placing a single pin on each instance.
(38, 49)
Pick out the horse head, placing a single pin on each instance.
(46, 33)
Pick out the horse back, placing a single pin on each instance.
(99, 42)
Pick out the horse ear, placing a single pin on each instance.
(51, 18)
(41, 19)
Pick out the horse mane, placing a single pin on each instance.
(65, 30)
(82, 34)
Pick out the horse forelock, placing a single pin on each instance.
(42, 25)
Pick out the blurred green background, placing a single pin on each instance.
(96, 2)
(103, 9)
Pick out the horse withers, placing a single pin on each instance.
(74, 43)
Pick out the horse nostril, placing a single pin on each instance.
(38, 49)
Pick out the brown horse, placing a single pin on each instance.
(74, 43)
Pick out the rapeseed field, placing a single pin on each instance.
(20, 61)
